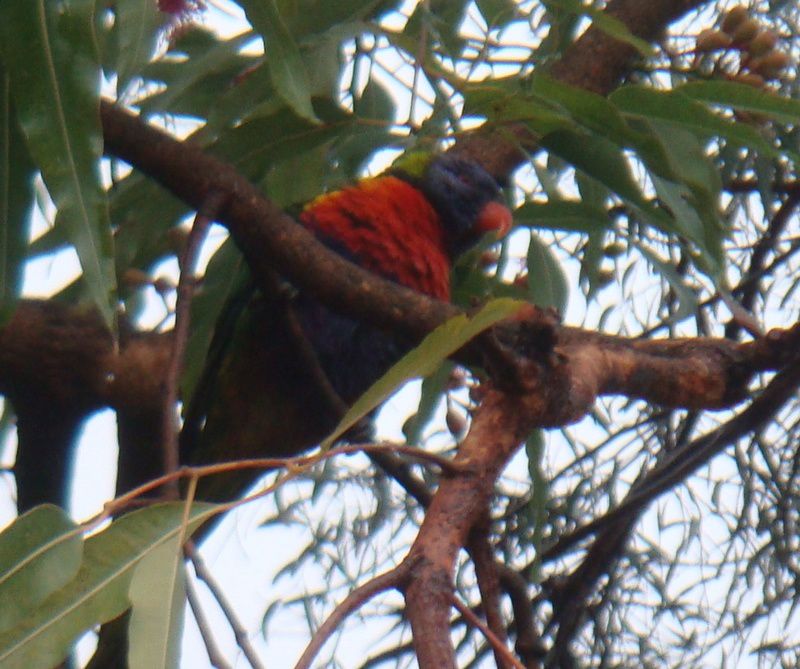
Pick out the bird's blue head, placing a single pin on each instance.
(466, 197)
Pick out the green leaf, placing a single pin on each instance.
(99, 591)
(604, 161)
(540, 492)
(591, 263)
(40, 552)
(16, 199)
(505, 100)
(226, 276)
(299, 178)
(310, 19)
(193, 86)
(49, 53)
(497, 13)
(375, 102)
(260, 142)
(680, 109)
(425, 359)
(285, 62)
(438, 20)
(563, 215)
(137, 24)
(158, 599)
(608, 24)
(547, 284)
(687, 300)
(744, 97)
(592, 111)
(433, 387)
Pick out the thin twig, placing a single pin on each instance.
(215, 656)
(529, 644)
(356, 599)
(681, 463)
(294, 467)
(497, 645)
(488, 583)
(205, 575)
(765, 245)
(185, 291)
(390, 464)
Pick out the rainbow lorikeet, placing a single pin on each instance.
(407, 225)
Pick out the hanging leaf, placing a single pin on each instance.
(687, 299)
(433, 387)
(40, 552)
(425, 359)
(137, 25)
(609, 24)
(676, 108)
(286, 64)
(226, 278)
(547, 283)
(743, 97)
(49, 54)
(563, 215)
(606, 162)
(540, 493)
(158, 602)
(99, 591)
(17, 172)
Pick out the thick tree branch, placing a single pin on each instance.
(269, 239)
(499, 426)
(76, 361)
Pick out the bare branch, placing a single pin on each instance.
(239, 632)
(215, 655)
(506, 659)
(180, 333)
(355, 600)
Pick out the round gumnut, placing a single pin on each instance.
(456, 423)
(762, 43)
(770, 65)
(751, 79)
(733, 18)
(712, 40)
(745, 33)
(136, 278)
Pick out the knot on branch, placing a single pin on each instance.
(517, 351)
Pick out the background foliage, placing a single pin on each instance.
(658, 210)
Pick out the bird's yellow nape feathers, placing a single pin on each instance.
(413, 163)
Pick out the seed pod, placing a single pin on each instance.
(477, 393)
(521, 280)
(488, 259)
(770, 65)
(712, 40)
(733, 18)
(177, 237)
(745, 33)
(456, 423)
(457, 379)
(136, 278)
(614, 250)
(762, 43)
(751, 79)
(163, 285)
(604, 278)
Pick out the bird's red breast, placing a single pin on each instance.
(390, 228)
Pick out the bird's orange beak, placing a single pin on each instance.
(494, 217)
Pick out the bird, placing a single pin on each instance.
(285, 364)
